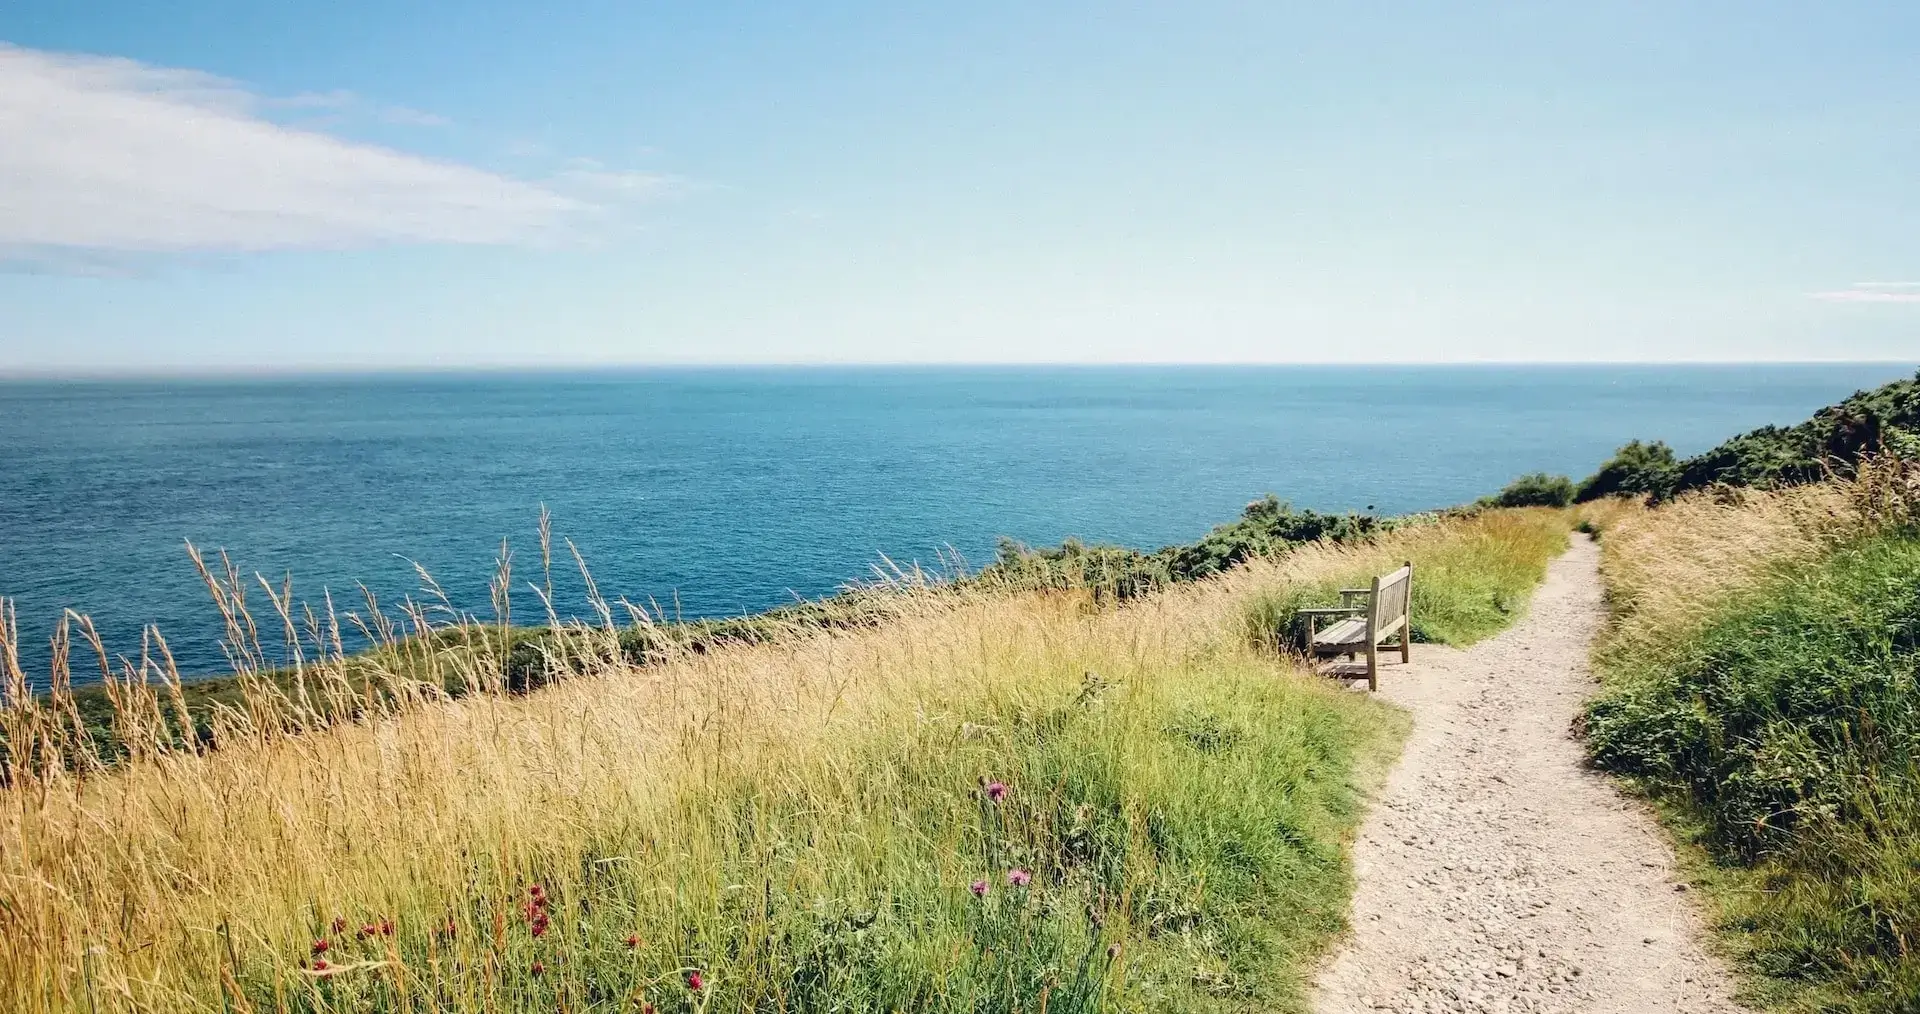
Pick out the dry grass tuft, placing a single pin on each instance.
(1664, 567)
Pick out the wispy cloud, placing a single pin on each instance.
(1872, 292)
(105, 155)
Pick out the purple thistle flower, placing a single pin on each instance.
(996, 791)
(979, 888)
(1018, 877)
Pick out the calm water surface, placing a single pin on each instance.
(731, 490)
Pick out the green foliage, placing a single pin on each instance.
(1537, 489)
(1886, 418)
(1180, 837)
(1636, 469)
(1112, 573)
(1266, 527)
(1789, 729)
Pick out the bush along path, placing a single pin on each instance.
(1496, 872)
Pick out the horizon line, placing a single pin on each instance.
(196, 372)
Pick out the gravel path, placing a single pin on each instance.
(1496, 873)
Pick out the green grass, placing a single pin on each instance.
(1784, 737)
(1185, 836)
(1465, 589)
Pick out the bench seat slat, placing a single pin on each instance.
(1346, 632)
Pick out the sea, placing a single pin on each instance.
(712, 492)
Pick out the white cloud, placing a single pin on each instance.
(109, 155)
(1872, 292)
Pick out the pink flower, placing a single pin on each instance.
(996, 791)
(979, 888)
(1019, 877)
(695, 982)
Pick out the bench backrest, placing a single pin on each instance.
(1387, 607)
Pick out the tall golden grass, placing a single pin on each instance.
(192, 879)
(1666, 569)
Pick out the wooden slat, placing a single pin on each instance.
(1345, 633)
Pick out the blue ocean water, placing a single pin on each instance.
(720, 491)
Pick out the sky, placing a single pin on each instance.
(217, 185)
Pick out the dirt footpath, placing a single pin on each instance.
(1495, 872)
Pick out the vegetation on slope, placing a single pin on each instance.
(1885, 420)
(991, 802)
(406, 653)
(1763, 677)
(1472, 586)
(1266, 527)
(1537, 489)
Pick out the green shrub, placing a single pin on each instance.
(1886, 418)
(1537, 489)
(1789, 728)
(1266, 527)
(1636, 469)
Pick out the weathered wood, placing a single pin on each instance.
(1373, 616)
(1373, 639)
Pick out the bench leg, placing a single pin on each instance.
(1406, 645)
(1373, 665)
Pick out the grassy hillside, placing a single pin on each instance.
(1007, 801)
(1762, 679)
(407, 653)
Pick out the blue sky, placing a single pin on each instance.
(237, 185)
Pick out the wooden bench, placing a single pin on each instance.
(1367, 619)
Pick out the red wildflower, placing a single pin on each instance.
(996, 791)
(633, 941)
(695, 982)
(979, 888)
(320, 965)
(1018, 877)
(339, 924)
(320, 945)
(368, 930)
(539, 969)
(450, 930)
(386, 927)
(538, 927)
